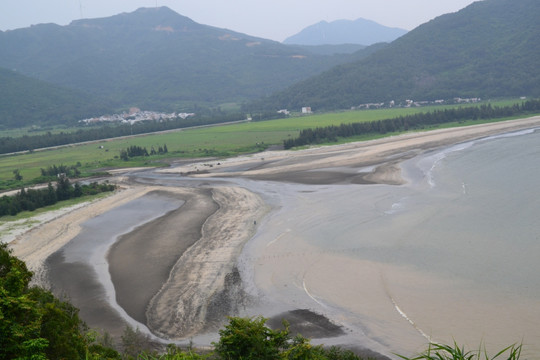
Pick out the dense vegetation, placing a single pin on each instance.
(32, 199)
(35, 324)
(409, 122)
(155, 59)
(24, 100)
(134, 151)
(489, 49)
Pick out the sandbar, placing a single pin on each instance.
(197, 282)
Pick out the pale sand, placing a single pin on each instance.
(198, 279)
(203, 269)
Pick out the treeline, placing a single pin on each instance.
(55, 170)
(32, 199)
(409, 122)
(134, 151)
(28, 143)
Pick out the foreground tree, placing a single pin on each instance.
(250, 338)
(20, 320)
(36, 325)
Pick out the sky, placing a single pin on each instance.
(270, 19)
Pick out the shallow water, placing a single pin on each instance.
(451, 255)
(80, 270)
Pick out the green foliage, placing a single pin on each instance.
(89, 56)
(20, 319)
(136, 151)
(60, 325)
(36, 325)
(27, 101)
(446, 352)
(250, 338)
(134, 342)
(32, 199)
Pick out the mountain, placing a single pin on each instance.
(488, 49)
(24, 100)
(332, 49)
(156, 59)
(360, 31)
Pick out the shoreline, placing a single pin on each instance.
(372, 162)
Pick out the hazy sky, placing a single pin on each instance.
(271, 19)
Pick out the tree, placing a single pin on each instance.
(17, 175)
(50, 197)
(63, 188)
(250, 338)
(134, 342)
(20, 319)
(36, 325)
(77, 190)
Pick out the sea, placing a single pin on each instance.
(457, 249)
(484, 203)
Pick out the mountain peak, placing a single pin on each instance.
(143, 17)
(359, 31)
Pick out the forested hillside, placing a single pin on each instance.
(24, 100)
(489, 49)
(156, 59)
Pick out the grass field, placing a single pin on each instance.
(219, 141)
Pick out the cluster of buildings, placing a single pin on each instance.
(412, 103)
(136, 115)
(406, 104)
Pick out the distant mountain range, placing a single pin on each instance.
(489, 49)
(360, 31)
(156, 59)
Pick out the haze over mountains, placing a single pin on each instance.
(360, 31)
(156, 59)
(488, 49)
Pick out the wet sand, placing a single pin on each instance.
(140, 262)
(190, 280)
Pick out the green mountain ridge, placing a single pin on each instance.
(489, 49)
(156, 59)
(24, 101)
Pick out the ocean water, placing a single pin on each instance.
(484, 204)
(452, 255)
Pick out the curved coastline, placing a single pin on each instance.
(206, 268)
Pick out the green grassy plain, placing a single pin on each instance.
(216, 141)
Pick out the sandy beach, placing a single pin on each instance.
(231, 241)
